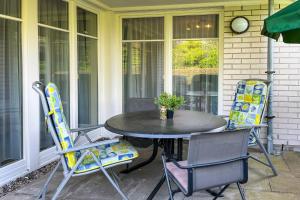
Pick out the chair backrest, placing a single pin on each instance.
(180, 85)
(136, 105)
(140, 104)
(57, 123)
(249, 103)
(218, 147)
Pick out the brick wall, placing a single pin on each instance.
(245, 56)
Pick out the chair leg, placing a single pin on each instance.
(114, 184)
(61, 186)
(43, 191)
(261, 146)
(241, 191)
(221, 192)
(146, 162)
(115, 177)
(167, 178)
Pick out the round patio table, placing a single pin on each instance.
(147, 124)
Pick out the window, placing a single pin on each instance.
(54, 55)
(87, 68)
(10, 82)
(143, 58)
(195, 61)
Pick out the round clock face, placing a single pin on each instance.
(239, 25)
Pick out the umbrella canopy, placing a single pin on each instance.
(286, 22)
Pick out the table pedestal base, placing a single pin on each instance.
(146, 162)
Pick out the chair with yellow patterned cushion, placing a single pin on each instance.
(248, 110)
(83, 159)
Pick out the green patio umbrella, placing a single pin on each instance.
(286, 22)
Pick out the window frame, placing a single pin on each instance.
(11, 170)
(97, 38)
(168, 44)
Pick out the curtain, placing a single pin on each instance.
(10, 92)
(87, 68)
(143, 58)
(10, 8)
(54, 56)
(195, 61)
(87, 82)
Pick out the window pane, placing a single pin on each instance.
(200, 26)
(88, 81)
(195, 74)
(10, 7)
(86, 22)
(54, 67)
(53, 13)
(10, 92)
(143, 28)
(143, 70)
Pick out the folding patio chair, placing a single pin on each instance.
(215, 159)
(248, 110)
(83, 159)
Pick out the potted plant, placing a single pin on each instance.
(168, 104)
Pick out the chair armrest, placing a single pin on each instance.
(86, 129)
(82, 147)
(260, 126)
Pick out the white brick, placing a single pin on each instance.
(228, 14)
(290, 60)
(288, 137)
(232, 40)
(241, 45)
(250, 52)
(294, 142)
(252, 7)
(242, 13)
(251, 39)
(242, 55)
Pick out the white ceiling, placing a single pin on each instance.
(134, 3)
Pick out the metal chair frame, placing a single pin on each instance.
(190, 169)
(67, 172)
(256, 130)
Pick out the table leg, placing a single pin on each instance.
(146, 162)
(157, 187)
(179, 149)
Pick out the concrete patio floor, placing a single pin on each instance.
(138, 184)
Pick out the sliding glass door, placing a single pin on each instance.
(54, 55)
(10, 82)
(195, 61)
(143, 58)
(87, 43)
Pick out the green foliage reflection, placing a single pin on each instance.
(197, 54)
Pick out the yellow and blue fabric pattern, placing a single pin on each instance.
(107, 154)
(60, 122)
(249, 104)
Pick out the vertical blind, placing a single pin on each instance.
(195, 61)
(143, 58)
(54, 55)
(10, 84)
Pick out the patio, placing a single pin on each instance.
(111, 61)
(139, 184)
